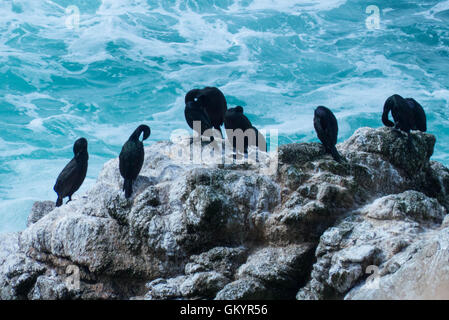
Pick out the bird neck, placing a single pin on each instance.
(136, 134)
(82, 156)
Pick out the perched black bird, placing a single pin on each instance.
(195, 112)
(72, 176)
(326, 127)
(131, 158)
(407, 114)
(212, 101)
(235, 119)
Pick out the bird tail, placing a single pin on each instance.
(59, 202)
(335, 154)
(128, 188)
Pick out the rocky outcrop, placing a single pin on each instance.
(311, 228)
(419, 271)
(39, 210)
(18, 273)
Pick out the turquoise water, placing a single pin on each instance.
(131, 62)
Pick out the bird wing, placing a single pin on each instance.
(131, 159)
(419, 115)
(64, 182)
(326, 130)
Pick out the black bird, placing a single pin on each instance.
(235, 119)
(131, 158)
(326, 127)
(213, 101)
(72, 176)
(407, 114)
(195, 112)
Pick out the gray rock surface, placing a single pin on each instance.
(40, 209)
(245, 289)
(421, 271)
(311, 229)
(49, 288)
(18, 273)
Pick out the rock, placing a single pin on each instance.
(437, 183)
(300, 153)
(421, 272)
(49, 288)
(311, 228)
(18, 273)
(348, 265)
(410, 204)
(165, 288)
(223, 260)
(40, 209)
(203, 285)
(200, 285)
(368, 242)
(281, 270)
(445, 223)
(244, 289)
(409, 155)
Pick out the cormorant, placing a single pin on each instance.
(72, 176)
(194, 112)
(131, 158)
(235, 119)
(407, 114)
(326, 127)
(213, 101)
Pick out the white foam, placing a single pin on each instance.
(438, 8)
(13, 149)
(288, 6)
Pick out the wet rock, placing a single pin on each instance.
(281, 270)
(165, 289)
(18, 273)
(49, 288)
(203, 285)
(311, 228)
(420, 272)
(410, 204)
(40, 209)
(244, 289)
(223, 260)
